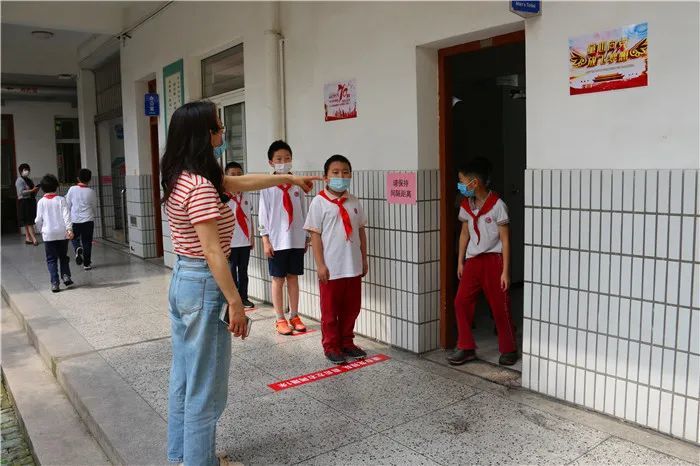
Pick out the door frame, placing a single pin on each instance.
(224, 100)
(11, 140)
(155, 174)
(448, 260)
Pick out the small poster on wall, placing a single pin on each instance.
(174, 89)
(340, 100)
(401, 188)
(608, 60)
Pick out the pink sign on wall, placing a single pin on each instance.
(401, 188)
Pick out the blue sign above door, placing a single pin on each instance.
(526, 8)
(152, 105)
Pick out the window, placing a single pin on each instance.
(223, 72)
(67, 149)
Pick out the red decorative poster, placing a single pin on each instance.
(609, 60)
(340, 100)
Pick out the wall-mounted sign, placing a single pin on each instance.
(151, 104)
(340, 100)
(401, 188)
(608, 60)
(173, 89)
(526, 8)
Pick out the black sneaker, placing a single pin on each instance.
(460, 356)
(87, 267)
(508, 359)
(248, 304)
(336, 358)
(67, 281)
(79, 256)
(354, 352)
(55, 288)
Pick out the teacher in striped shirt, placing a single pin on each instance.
(201, 226)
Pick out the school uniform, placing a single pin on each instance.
(281, 215)
(338, 221)
(82, 202)
(53, 222)
(241, 241)
(482, 271)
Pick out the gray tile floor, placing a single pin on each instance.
(401, 411)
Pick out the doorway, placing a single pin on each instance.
(112, 169)
(155, 173)
(8, 174)
(482, 113)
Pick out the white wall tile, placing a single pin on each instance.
(617, 190)
(537, 226)
(627, 233)
(690, 191)
(537, 188)
(666, 402)
(546, 188)
(676, 191)
(557, 188)
(628, 190)
(575, 228)
(648, 284)
(529, 174)
(693, 376)
(575, 189)
(637, 404)
(692, 410)
(620, 394)
(663, 191)
(566, 188)
(639, 190)
(596, 189)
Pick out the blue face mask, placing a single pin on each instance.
(464, 191)
(339, 185)
(220, 150)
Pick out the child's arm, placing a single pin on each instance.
(504, 233)
(66, 219)
(363, 249)
(463, 241)
(39, 220)
(321, 268)
(264, 226)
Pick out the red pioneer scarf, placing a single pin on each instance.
(347, 224)
(82, 185)
(287, 202)
(50, 195)
(241, 218)
(488, 205)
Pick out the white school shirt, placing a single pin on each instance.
(274, 222)
(239, 239)
(82, 202)
(343, 258)
(488, 227)
(53, 218)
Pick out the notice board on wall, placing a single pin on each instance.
(173, 89)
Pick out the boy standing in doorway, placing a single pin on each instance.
(242, 239)
(483, 264)
(82, 202)
(337, 224)
(282, 213)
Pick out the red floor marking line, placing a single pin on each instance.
(330, 372)
(298, 334)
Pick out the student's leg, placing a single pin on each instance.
(465, 302)
(77, 230)
(52, 261)
(293, 293)
(86, 235)
(32, 235)
(278, 265)
(499, 301)
(244, 259)
(352, 303)
(234, 263)
(277, 296)
(63, 258)
(331, 302)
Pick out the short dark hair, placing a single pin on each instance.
(49, 183)
(277, 145)
(231, 165)
(22, 167)
(335, 158)
(85, 175)
(479, 167)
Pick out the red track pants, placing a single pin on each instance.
(341, 300)
(483, 273)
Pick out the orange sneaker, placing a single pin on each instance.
(297, 324)
(283, 327)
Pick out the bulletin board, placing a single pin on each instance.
(173, 89)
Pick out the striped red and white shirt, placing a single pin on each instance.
(194, 199)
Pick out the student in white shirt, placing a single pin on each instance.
(53, 222)
(82, 202)
(483, 265)
(337, 224)
(282, 212)
(242, 241)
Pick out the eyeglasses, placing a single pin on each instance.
(221, 129)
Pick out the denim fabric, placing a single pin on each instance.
(57, 252)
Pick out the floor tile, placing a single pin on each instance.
(133, 360)
(377, 450)
(618, 451)
(116, 332)
(487, 429)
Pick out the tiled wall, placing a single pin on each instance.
(401, 291)
(612, 295)
(141, 216)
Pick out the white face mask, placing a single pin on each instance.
(25, 173)
(283, 168)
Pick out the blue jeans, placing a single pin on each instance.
(57, 253)
(200, 366)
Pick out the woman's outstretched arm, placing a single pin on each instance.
(255, 182)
